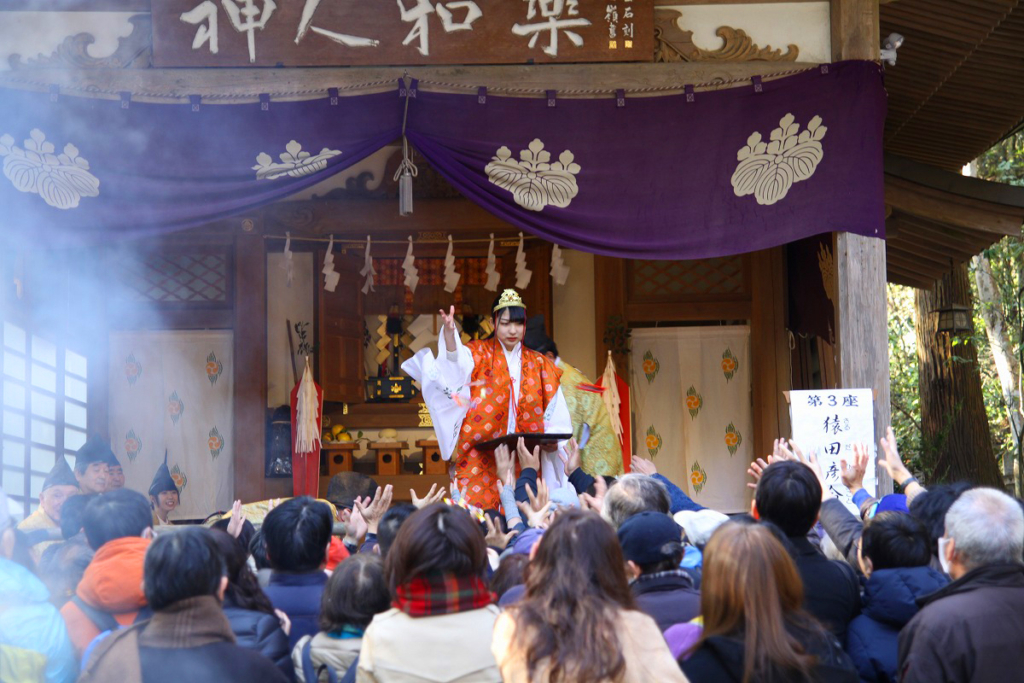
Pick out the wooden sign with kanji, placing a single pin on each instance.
(192, 33)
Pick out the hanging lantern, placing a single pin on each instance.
(954, 320)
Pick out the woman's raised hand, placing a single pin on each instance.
(448, 318)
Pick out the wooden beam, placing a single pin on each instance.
(250, 371)
(945, 207)
(235, 86)
(689, 311)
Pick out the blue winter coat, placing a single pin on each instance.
(34, 644)
(890, 601)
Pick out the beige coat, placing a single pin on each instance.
(449, 648)
(648, 659)
(337, 653)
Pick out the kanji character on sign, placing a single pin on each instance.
(308, 10)
(552, 10)
(850, 401)
(419, 15)
(246, 16)
(814, 401)
(203, 15)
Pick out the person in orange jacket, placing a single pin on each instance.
(118, 526)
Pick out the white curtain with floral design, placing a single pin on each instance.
(173, 390)
(692, 411)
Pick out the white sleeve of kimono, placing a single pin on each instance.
(444, 383)
(556, 421)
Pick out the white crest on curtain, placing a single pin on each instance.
(294, 162)
(331, 276)
(288, 266)
(493, 276)
(368, 272)
(523, 274)
(559, 271)
(412, 276)
(533, 181)
(768, 170)
(60, 179)
(451, 278)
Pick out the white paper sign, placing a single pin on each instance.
(829, 422)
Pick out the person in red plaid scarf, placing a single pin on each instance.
(439, 626)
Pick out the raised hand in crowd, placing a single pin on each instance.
(355, 525)
(375, 509)
(526, 457)
(595, 502)
(892, 463)
(236, 521)
(538, 510)
(495, 537)
(456, 495)
(811, 460)
(505, 465)
(779, 452)
(434, 495)
(642, 466)
(853, 473)
(570, 457)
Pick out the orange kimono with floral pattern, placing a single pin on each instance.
(491, 391)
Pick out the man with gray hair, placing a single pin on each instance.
(972, 629)
(633, 494)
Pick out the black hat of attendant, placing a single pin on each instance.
(536, 337)
(94, 450)
(345, 487)
(60, 475)
(162, 480)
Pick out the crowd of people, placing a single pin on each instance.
(603, 579)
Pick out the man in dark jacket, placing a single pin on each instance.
(895, 550)
(297, 533)
(651, 544)
(188, 638)
(789, 496)
(972, 630)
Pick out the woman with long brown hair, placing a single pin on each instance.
(754, 628)
(578, 621)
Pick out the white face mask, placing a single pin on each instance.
(943, 544)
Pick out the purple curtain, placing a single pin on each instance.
(155, 168)
(673, 177)
(657, 178)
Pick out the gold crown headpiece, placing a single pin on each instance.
(509, 298)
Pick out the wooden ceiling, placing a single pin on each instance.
(938, 218)
(956, 88)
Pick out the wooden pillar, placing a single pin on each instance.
(861, 313)
(609, 302)
(250, 347)
(771, 360)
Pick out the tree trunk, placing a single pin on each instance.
(991, 301)
(955, 430)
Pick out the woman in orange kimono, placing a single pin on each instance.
(486, 389)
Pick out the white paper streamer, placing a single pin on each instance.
(451, 278)
(610, 396)
(412, 277)
(289, 265)
(559, 271)
(307, 410)
(368, 272)
(523, 274)
(493, 276)
(331, 276)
